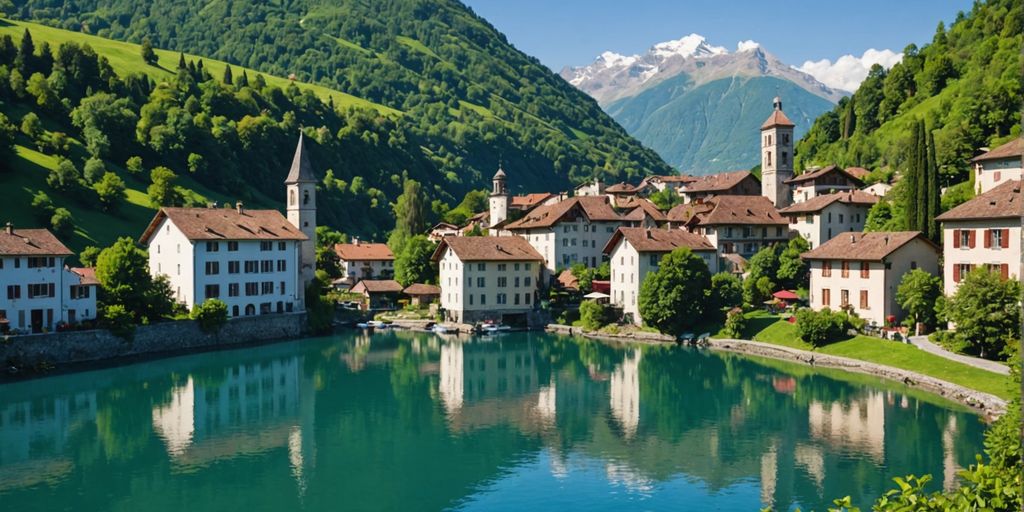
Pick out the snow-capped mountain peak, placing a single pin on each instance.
(693, 45)
(610, 59)
(747, 46)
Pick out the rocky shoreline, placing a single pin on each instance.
(989, 406)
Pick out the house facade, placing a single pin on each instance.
(735, 183)
(861, 271)
(571, 231)
(823, 217)
(37, 292)
(816, 182)
(734, 225)
(363, 260)
(636, 252)
(983, 231)
(998, 166)
(488, 278)
(250, 259)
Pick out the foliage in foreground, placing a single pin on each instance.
(592, 315)
(211, 315)
(672, 298)
(820, 328)
(986, 311)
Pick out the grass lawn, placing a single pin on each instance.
(772, 329)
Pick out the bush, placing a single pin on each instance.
(119, 321)
(726, 290)
(735, 323)
(819, 328)
(592, 315)
(211, 315)
(319, 310)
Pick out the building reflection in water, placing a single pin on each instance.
(624, 394)
(856, 426)
(248, 409)
(34, 435)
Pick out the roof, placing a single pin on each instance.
(753, 210)
(30, 242)
(777, 118)
(718, 182)
(444, 225)
(658, 240)
(362, 251)
(569, 280)
(1012, 149)
(500, 174)
(858, 172)
(620, 188)
(874, 246)
(1002, 202)
(678, 178)
(595, 208)
(377, 286)
(488, 248)
(817, 173)
(819, 203)
(422, 289)
(301, 170)
(88, 275)
(530, 200)
(225, 224)
(640, 208)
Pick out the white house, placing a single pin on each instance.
(998, 165)
(826, 180)
(878, 189)
(571, 231)
(861, 271)
(362, 260)
(822, 217)
(37, 292)
(247, 258)
(488, 278)
(636, 252)
(983, 231)
(83, 287)
(738, 226)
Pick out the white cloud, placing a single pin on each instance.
(848, 71)
(743, 46)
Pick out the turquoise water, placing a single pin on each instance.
(406, 421)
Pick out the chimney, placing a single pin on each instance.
(853, 239)
(355, 240)
(9, 228)
(650, 236)
(238, 207)
(886, 239)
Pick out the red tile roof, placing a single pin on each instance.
(819, 203)
(363, 251)
(777, 118)
(725, 210)
(874, 246)
(1002, 202)
(858, 172)
(569, 280)
(640, 208)
(658, 240)
(679, 178)
(225, 224)
(31, 242)
(595, 208)
(1012, 149)
(621, 188)
(377, 286)
(488, 248)
(422, 289)
(530, 200)
(721, 182)
(88, 275)
(818, 173)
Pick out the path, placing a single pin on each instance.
(923, 343)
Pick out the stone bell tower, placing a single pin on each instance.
(301, 189)
(498, 201)
(777, 156)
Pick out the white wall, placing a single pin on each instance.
(992, 173)
(629, 269)
(570, 242)
(833, 220)
(353, 269)
(461, 293)
(19, 311)
(979, 255)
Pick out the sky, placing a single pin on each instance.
(802, 33)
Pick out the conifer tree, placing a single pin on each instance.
(934, 196)
(910, 189)
(921, 174)
(181, 61)
(192, 68)
(244, 80)
(227, 75)
(148, 55)
(25, 59)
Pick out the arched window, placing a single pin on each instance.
(291, 197)
(250, 310)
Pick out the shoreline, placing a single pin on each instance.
(990, 407)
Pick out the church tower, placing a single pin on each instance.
(301, 188)
(777, 156)
(499, 201)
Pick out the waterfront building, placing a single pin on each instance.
(999, 165)
(571, 231)
(488, 278)
(983, 231)
(378, 294)
(362, 260)
(737, 226)
(822, 217)
(422, 294)
(826, 180)
(636, 252)
(777, 156)
(80, 305)
(861, 271)
(735, 183)
(37, 291)
(300, 186)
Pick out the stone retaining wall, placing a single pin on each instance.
(85, 346)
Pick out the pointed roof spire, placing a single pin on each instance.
(777, 118)
(301, 170)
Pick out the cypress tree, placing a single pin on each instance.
(181, 61)
(921, 176)
(192, 68)
(25, 59)
(227, 75)
(244, 80)
(934, 199)
(909, 182)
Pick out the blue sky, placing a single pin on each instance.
(573, 32)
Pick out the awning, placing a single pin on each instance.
(785, 295)
(597, 295)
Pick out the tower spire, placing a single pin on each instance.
(301, 170)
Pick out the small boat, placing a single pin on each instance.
(440, 329)
(363, 325)
(495, 328)
(377, 324)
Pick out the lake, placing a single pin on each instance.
(521, 421)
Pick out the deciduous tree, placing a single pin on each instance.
(672, 298)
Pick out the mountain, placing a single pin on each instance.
(385, 91)
(698, 105)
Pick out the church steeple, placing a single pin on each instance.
(498, 200)
(300, 187)
(301, 170)
(777, 156)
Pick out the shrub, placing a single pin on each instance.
(726, 290)
(592, 315)
(820, 328)
(211, 315)
(735, 323)
(119, 321)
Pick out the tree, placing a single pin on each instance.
(134, 165)
(62, 222)
(726, 290)
(592, 315)
(764, 263)
(735, 323)
(162, 191)
(933, 195)
(667, 198)
(64, 176)
(917, 293)
(7, 132)
(32, 127)
(409, 214)
(93, 170)
(196, 163)
(123, 271)
(25, 61)
(413, 264)
(211, 315)
(672, 297)
(148, 55)
(227, 75)
(110, 190)
(88, 256)
(793, 271)
(984, 309)
(42, 205)
(820, 328)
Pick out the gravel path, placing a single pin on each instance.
(923, 343)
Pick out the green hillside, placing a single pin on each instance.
(713, 127)
(965, 84)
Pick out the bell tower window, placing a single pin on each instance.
(291, 197)
(305, 198)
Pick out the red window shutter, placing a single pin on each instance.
(956, 238)
(1004, 269)
(988, 238)
(1005, 242)
(972, 238)
(956, 273)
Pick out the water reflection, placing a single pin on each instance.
(401, 420)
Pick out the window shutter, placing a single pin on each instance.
(972, 238)
(51, 290)
(1005, 241)
(988, 238)
(956, 238)
(956, 273)
(1004, 269)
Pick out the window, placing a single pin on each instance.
(864, 299)
(483, 299)
(785, 157)
(826, 297)
(282, 265)
(481, 267)
(960, 271)
(526, 298)
(212, 291)
(529, 265)
(778, 231)
(965, 237)
(844, 298)
(266, 246)
(747, 232)
(516, 282)
(826, 269)
(728, 232)
(232, 246)
(502, 282)
(13, 292)
(41, 290)
(996, 239)
(502, 299)
(40, 262)
(267, 288)
(281, 246)
(252, 289)
(845, 272)
(79, 292)
(233, 292)
(281, 287)
(212, 268)
(654, 260)
(233, 267)
(252, 267)
(502, 267)
(515, 267)
(212, 246)
(480, 282)
(840, 218)
(17, 262)
(865, 270)
(515, 299)
(527, 281)
(565, 242)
